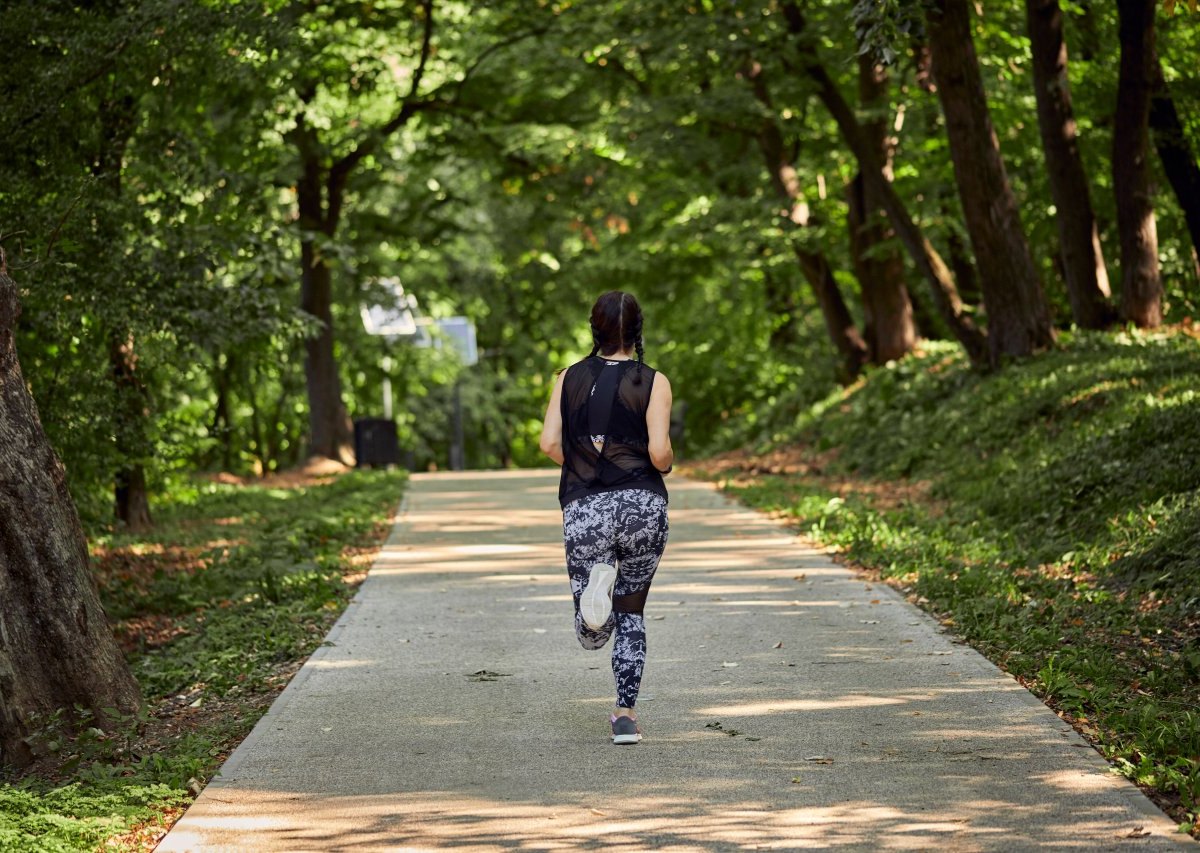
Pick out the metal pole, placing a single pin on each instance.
(458, 450)
(387, 387)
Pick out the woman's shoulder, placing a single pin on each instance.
(659, 376)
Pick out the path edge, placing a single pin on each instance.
(226, 773)
(1120, 785)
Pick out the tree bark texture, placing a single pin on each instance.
(1082, 260)
(852, 350)
(888, 314)
(330, 431)
(838, 321)
(1141, 284)
(1178, 159)
(1018, 316)
(56, 646)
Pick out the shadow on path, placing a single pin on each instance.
(786, 705)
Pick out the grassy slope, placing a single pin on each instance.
(1050, 513)
(216, 607)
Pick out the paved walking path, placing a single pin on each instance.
(786, 704)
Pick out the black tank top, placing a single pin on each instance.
(623, 462)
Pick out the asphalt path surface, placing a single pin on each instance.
(787, 704)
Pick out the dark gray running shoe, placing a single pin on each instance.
(625, 730)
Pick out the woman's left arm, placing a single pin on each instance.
(658, 424)
(552, 426)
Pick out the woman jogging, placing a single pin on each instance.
(607, 425)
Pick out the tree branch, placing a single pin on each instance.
(341, 169)
(493, 48)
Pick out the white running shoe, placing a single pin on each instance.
(595, 604)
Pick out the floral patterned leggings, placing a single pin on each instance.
(626, 528)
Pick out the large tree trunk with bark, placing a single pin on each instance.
(1018, 315)
(887, 311)
(1141, 284)
(852, 350)
(1178, 160)
(330, 431)
(321, 193)
(56, 647)
(1082, 260)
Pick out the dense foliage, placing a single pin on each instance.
(550, 151)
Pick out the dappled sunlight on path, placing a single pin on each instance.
(787, 704)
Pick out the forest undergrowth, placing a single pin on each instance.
(1048, 513)
(216, 608)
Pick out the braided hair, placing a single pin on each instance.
(617, 325)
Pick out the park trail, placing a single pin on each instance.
(787, 704)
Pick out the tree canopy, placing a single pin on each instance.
(197, 198)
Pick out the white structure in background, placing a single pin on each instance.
(399, 321)
(460, 331)
(402, 321)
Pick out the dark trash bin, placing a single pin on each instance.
(375, 443)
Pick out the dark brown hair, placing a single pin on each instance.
(617, 325)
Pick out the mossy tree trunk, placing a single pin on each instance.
(56, 647)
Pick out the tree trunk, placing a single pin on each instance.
(131, 500)
(222, 426)
(888, 314)
(1018, 316)
(919, 248)
(1141, 285)
(130, 496)
(1083, 263)
(851, 348)
(1178, 160)
(838, 323)
(56, 647)
(330, 432)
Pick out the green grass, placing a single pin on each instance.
(217, 606)
(1059, 533)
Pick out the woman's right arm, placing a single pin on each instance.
(552, 426)
(658, 424)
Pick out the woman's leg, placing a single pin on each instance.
(641, 534)
(588, 534)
